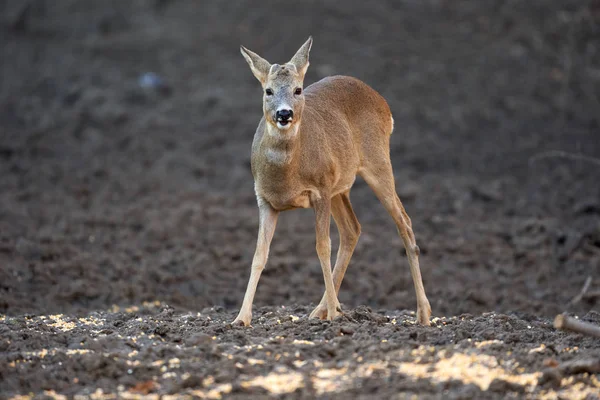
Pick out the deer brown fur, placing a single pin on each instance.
(308, 148)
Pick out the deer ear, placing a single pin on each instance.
(259, 66)
(300, 59)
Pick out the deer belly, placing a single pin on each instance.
(300, 201)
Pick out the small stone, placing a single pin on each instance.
(502, 386)
(28, 249)
(193, 381)
(550, 362)
(198, 339)
(347, 330)
(551, 376)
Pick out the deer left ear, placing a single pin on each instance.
(300, 59)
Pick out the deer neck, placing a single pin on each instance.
(280, 146)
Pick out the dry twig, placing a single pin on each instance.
(590, 365)
(564, 322)
(584, 290)
(573, 367)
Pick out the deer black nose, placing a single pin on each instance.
(284, 115)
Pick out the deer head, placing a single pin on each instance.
(283, 98)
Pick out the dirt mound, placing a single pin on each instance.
(153, 350)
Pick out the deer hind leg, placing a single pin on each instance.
(349, 230)
(380, 178)
(322, 207)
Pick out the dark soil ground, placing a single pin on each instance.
(128, 218)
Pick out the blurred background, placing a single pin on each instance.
(125, 134)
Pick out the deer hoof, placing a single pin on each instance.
(334, 314)
(423, 315)
(319, 312)
(241, 321)
(322, 313)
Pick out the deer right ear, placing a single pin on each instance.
(259, 66)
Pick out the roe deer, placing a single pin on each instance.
(307, 150)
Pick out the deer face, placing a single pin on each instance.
(283, 98)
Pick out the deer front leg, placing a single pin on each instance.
(267, 222)
(322, 208)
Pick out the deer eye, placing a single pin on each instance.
(298, 91)
(269, 92)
